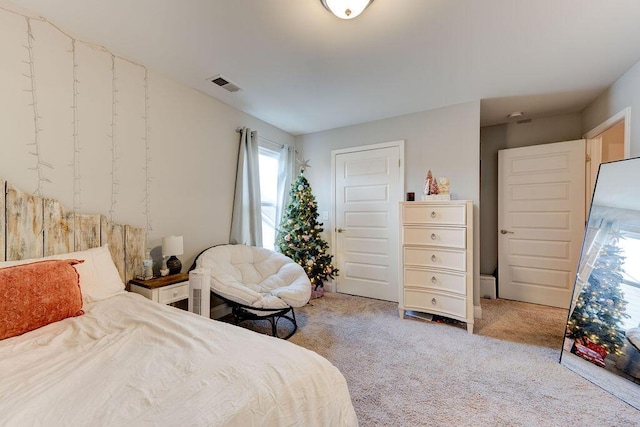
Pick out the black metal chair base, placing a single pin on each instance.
(241, 313)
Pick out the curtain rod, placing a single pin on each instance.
(239, 130)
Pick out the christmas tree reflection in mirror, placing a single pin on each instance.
(602, 341)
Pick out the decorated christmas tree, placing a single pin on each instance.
(299, 234)
(601, 306)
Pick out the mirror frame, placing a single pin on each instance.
(610, 361)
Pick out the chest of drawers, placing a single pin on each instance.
(436, 275)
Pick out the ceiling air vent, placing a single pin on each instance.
(225, 83)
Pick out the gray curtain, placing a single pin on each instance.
(286, 174)
(246, 221)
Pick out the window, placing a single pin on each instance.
(276, 164)
(268, 159)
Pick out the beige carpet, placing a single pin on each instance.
(417, 373)
(521, 322)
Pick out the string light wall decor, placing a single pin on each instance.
(117, 134)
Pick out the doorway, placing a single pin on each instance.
(368, 184)
(607, 142)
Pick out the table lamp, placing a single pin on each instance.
(172, 246)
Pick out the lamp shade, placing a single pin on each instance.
(346, 9)
(172, 245)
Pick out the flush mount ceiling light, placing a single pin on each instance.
(515, 115)
(346, 9)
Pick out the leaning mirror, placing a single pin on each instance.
(602, 340)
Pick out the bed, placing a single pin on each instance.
(125, 360)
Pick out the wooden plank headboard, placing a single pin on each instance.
(33, 227)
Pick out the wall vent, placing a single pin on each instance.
(225, 83)
(520, 122)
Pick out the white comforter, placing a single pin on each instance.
(129, 361)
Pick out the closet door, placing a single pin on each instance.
(368, 185)
(541, 221)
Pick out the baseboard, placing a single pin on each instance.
(477, 312)
(220, 311)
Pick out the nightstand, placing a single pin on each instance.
(165, 290)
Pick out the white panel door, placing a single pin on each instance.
(368, 187)
(541, 220)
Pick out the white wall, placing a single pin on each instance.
(192, 145)
(625, 92)
(445, 140)
(543, 130)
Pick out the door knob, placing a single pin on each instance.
(340, 230)
(503, 231)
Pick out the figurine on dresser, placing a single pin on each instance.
(435, 189)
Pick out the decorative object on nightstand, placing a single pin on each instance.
(147, 266)
(172, 246)
(164, 270)
(165, 290)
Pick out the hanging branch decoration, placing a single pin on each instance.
(114, 147)
(77, 189)
(40, 164)
(147, 147)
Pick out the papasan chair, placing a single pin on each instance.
(256, 283)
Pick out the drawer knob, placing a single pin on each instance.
(433, 214)
(433, 301)
(434, 280)
(433, 236)
(434, 258)
(175, 293)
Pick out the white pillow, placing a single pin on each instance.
(99, 277)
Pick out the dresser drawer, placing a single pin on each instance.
(433, 257)
(431, 279)
(434, 214)
(173, 293)
(435, 236)
(435, 302)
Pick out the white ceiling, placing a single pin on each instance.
(304, 70)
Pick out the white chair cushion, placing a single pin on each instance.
(256, 277)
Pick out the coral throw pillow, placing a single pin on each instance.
(34, 295)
